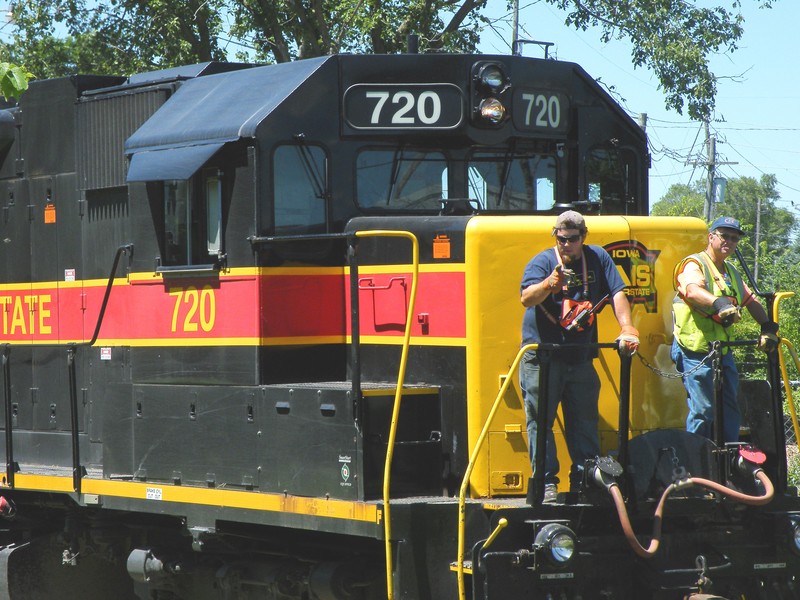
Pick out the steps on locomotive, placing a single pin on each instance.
(341, 443)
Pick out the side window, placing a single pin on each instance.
(177, 222)
(213, 215)
(193, 220)
(300, 189)
(609, 181)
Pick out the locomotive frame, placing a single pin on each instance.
(298, 379)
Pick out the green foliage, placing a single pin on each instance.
(673, 38)
(13, 80)
(680, 201)
(793, 464)
(62, 37)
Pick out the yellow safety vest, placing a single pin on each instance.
(693, 328)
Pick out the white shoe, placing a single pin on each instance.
(550, 493)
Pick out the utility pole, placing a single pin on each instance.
(711, 155)
(758, 236)
(515, 30)
(711, 166)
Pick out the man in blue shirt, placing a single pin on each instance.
(557, 284)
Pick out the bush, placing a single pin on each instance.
(793, 464)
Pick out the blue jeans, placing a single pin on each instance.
(577, 388)
(699, 386)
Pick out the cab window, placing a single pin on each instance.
(300, 189)
(193, 220)
(609, 179)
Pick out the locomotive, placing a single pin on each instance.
(261, 331)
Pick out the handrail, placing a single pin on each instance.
(782, 363)
(462, 492)
(788, 388)
(777, 305)
(77, 469)
(484, 432)
(125, 248)
(11, 467)
(387, 527)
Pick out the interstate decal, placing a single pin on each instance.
(637, 265)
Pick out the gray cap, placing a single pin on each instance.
(570, 220)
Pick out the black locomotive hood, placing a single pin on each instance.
(207, 112)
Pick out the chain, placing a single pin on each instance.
(673, 374)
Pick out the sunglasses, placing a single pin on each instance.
(728, 237)
(563, 239)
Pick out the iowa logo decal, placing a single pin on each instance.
(637, 265)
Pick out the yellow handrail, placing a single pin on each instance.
(777, 304)
(471, 465)
(387, 468)
(782, 361)
(501, 524)
(788, 388)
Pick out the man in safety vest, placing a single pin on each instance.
(709, 300)
(562, 289)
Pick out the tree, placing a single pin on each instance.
(55, 38)
(13, 77)
(125, 36)
(744, 195)
(680, 201)
(674, 38)
(773, 229)
(13, 80)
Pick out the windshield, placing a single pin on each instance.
(400, 179)
(512, 183)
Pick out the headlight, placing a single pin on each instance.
(492, 110)
(492, 77)
(794, 539)
(558, 543)
(490, 87)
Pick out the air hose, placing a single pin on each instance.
(650, 551)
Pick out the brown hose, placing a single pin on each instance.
(769, 492)
(651, 550)
(627, 529)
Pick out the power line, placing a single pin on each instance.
(787, 129)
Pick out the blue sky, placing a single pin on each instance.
(757, 118)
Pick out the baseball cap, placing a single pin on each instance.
(727, 222)
(570, 220)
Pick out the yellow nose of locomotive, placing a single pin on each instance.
(645, 251)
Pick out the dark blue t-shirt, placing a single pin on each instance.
(603, 278)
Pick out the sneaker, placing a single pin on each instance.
(550, 493)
